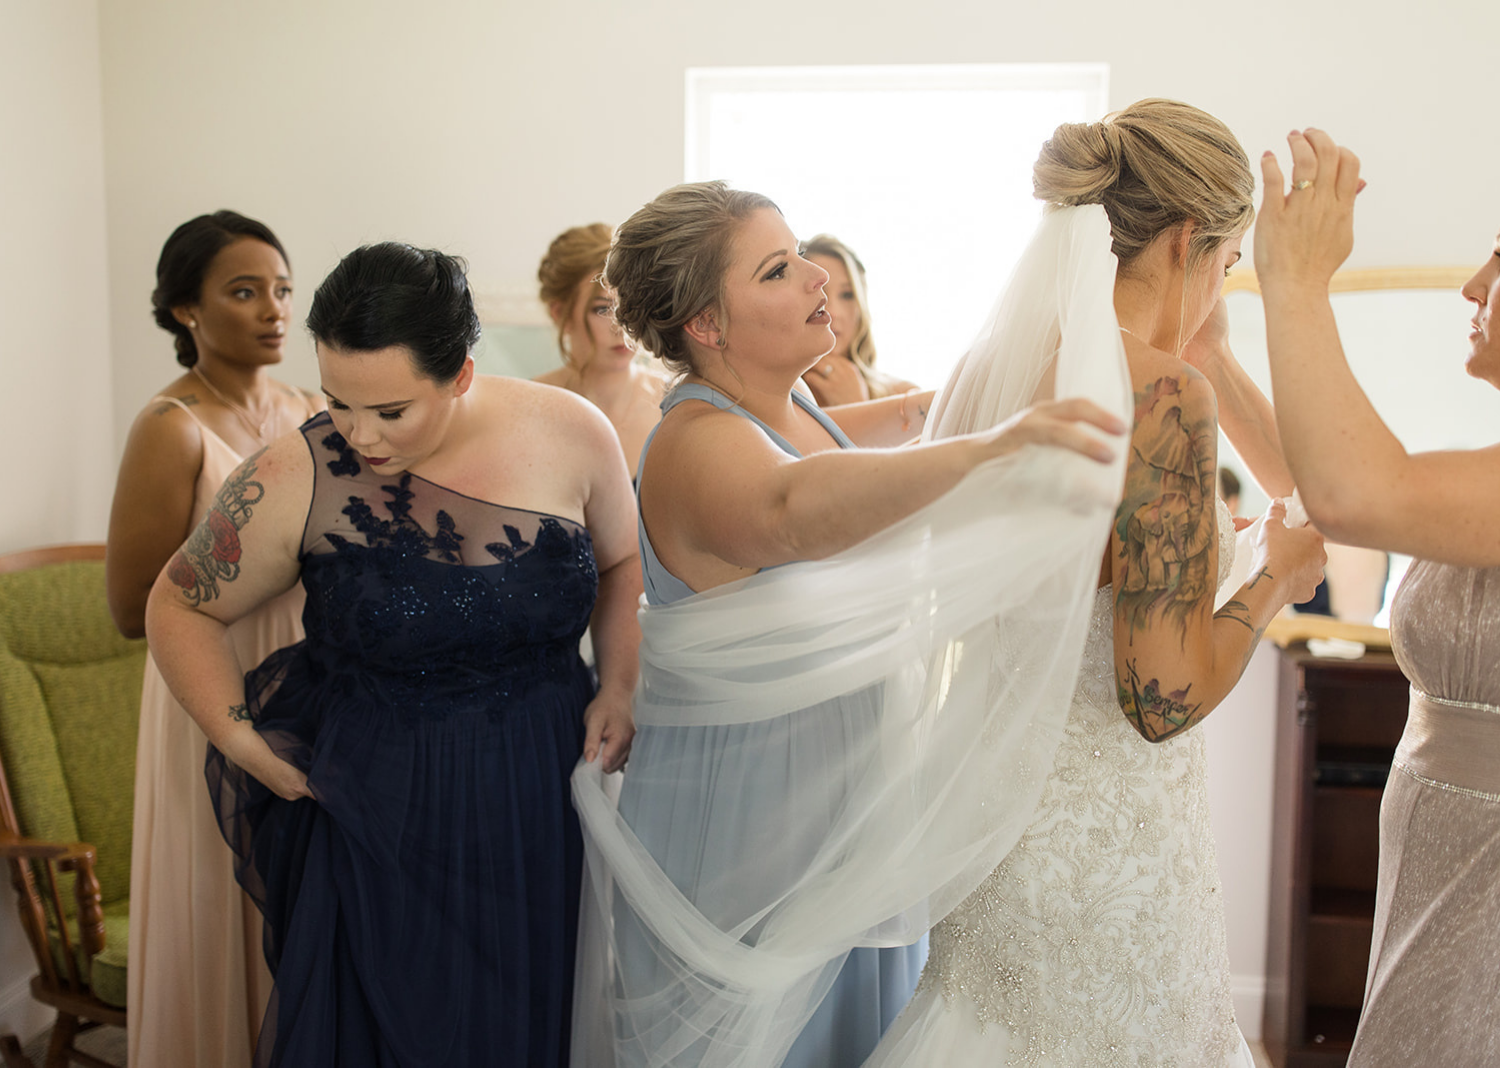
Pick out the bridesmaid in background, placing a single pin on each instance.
(198, 981)
(847, 374)
(1434, 975)
(599, 362)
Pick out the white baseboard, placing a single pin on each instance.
(21, 1014)
(1249, 994)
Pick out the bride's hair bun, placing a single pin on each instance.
(1154, 165)
(1078, 164)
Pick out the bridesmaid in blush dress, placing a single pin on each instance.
(197, 983)
(1434, 975)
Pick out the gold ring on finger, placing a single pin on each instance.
(1305, 183)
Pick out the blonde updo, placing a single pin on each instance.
(1154, 165)
(668, 263)
(575, 256)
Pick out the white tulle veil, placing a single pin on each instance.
(943, 651)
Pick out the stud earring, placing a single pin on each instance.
(192, 324)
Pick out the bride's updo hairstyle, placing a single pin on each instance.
(1154, 165)
(668, 263)
(392, 294)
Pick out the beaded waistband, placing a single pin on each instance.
(1452, 745)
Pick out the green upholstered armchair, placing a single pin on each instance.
(70, 694)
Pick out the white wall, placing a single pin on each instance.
(57, 443)
(486, 127)
(1241, 740)
(56, 434)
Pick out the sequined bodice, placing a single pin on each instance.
(1445, 631)
(1099, 940)
(402, 574)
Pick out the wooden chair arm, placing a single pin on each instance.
(38, 849)
(76, 857)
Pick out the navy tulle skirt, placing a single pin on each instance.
(423, 909)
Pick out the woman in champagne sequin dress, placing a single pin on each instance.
(1434, 976)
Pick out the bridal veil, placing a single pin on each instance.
(925, 675)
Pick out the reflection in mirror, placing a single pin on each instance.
(516, 339)
(1405, 334)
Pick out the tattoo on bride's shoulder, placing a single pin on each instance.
(1166, 522)
(211, 554)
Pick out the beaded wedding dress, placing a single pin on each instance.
(1099, 940)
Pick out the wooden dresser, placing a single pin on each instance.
(1337, 726)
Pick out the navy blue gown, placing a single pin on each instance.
(422, 910)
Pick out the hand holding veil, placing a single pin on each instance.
(922, 678)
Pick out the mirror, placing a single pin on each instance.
(517, 339)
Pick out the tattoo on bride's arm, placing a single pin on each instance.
(240, 713)
(1239, 612)
(211, 554)
(1156, 715)
(1166, 521)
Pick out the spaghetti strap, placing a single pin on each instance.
(201, 424)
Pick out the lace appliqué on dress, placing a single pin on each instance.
(1099, 940)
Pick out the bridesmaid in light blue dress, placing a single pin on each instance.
(746, 818)
(674, 818)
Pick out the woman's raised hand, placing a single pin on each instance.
(1304, 234)
(1292, 553)
(1061, 423)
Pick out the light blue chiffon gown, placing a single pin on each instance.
(676, 771)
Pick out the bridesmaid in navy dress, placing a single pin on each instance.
(396, 786)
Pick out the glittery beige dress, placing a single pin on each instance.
(197, 980)
(1433, 995)
(1099, 941)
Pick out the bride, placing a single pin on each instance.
(1100, 938)
(931, 687)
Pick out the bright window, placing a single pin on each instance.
(925, 171)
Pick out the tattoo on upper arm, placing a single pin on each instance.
(1166, 521)
(211, 554)
(240, 713)
(1156, 715)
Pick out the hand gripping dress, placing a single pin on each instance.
(422, 909)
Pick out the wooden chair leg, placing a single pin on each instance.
(11, 1053)
(61, 1043)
